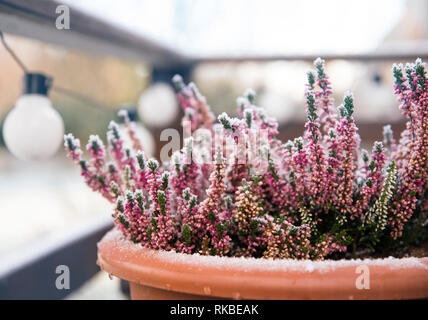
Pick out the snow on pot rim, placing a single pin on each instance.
(251, 278)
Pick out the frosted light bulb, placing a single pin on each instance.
(158, 105)
(33, 130)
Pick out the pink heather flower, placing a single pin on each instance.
(97, 150)
(323, 95)
(116, 145)
(316, 197)
(412, 149)
(347, 136)
(372, 182)
(130, 128)
(72, 147)
(316, 155)
(195, 107)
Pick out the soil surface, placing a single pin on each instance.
(419, 252)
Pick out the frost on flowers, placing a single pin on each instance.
(318, 196)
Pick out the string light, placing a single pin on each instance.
(33, 129)
(158, 105)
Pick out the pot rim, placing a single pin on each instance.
(252, 278)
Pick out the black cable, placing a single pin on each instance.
(14, 56)
(77, 96)
(68, 92)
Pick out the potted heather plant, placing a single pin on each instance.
(244, 215)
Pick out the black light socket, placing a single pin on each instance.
(132, 111)
(36, 83)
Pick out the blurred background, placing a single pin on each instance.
(226, 46)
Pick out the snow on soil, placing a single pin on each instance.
(247, 264)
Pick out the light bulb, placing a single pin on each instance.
(33, 130)
(158, 105)
(277, 105)
(143, 135)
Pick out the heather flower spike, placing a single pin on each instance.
(316, 197)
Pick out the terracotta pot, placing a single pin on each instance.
(168, 275)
